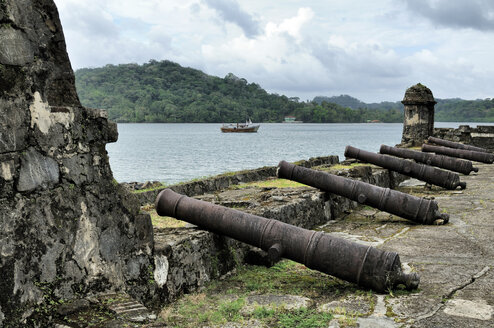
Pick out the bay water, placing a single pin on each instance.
(173, 153)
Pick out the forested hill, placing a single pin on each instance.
(166, 92)
(459, 110)
(354, 103)
(446, 110)
(163, 91)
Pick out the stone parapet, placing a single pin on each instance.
(480, 136)
(222, 181)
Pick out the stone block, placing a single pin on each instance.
(78, 169)
(37, 171)
(13, 129)
(8, 165)
(15, 48)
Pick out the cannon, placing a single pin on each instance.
(366, 266)
(460, 153)
(457, 145)
(420, 210)
(429, 174)
(445, 162)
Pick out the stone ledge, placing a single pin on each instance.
(480, 136)
(222, 181)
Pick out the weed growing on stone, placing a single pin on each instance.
(401, 290)
(345, 318)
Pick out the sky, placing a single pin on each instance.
(371, 50)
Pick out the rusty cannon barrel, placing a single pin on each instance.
(429, 174)
(445, 162)
(460, 153)
(413, 208)
(457, 145)
(366, 266)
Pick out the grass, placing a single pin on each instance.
(303, 318)
(162, 222)
(197, 310)
(286, 277)
(225, 301)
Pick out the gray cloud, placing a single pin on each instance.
(91, 20)
(230, 11)
(475, 14)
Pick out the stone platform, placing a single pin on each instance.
(455, 262)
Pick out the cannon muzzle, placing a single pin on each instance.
(366, 266)
(429, 174)
(460, 153)
(457, 145)
(445, 162)
(409, 207)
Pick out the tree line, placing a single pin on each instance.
(165, 92)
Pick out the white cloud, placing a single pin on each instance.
(291, 26)
(371, 50)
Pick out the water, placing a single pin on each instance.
(180, 152)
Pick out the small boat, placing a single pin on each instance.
(240, 127)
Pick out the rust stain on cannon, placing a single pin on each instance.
(429, 174)
(420, 210)
(366, 266)
(460, 153)
(445, 162)
(457, 145)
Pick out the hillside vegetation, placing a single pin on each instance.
(163, 91)
(446, 110)
(167, 92)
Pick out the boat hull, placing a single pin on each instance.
(228, 129)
